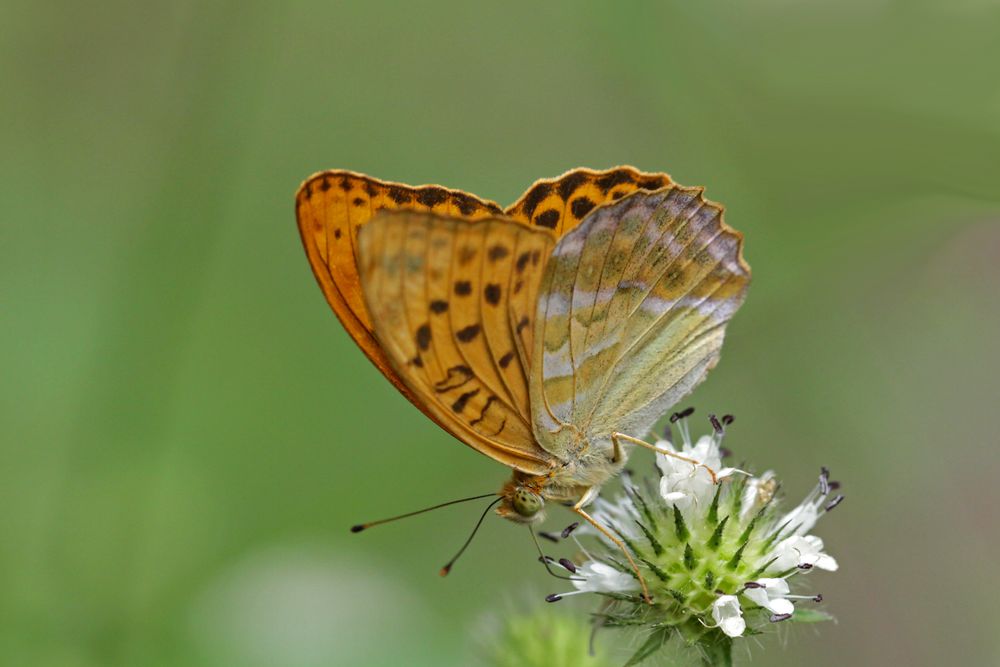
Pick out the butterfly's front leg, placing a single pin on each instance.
(578, 508)
(666, 452)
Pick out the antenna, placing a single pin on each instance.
(362, 526)
(447, 568)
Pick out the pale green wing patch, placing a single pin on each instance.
(631, 315)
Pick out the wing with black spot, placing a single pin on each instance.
(330, 207)
(452, 304)
(561, 203)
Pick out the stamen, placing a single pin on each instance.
(546, 559)
(549, 536)
(818, 597)
(805, 566)
(727, 420)
(569, 529)
(682, 414)
(778, 618)
(725, 453)
(568, 564)
(553, 597)
(668, 434)
(717, 425)
(833, 503)
(834, 485)
(754, 584)
(824, 480)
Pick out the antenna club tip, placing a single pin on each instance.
(444, 570)
(357, 528)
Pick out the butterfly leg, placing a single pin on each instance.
(578, 508)
(615, 437)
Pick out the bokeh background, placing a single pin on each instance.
(186, 432)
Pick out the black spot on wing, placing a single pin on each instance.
(549, 218)
(431, 196)
(506, 359)
(523, 323)
(498, 252)
(463, 287)
(457, 376)
(467, 334)
(438, 306)
(492, 294)
(535, 197)
(324, 184)
(569, 184)
(424, 336)
(522, 260)
(581, 206)
(613, 178)
(358, 201)
(462, 400)
(400, 195)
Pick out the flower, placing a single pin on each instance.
(597, 577)
(718, 558)
(728, 615)
(802, 552)
(770, 594)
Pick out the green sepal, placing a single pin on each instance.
(657, 547)
(689, 560)
(680, 527)
(716, 539)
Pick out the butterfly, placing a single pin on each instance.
(550, 335)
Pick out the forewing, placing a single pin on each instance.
(330, 207)
(561, 203)
(452, 307)
(631, 315)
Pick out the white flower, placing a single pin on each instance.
(597, 577)
(798, 550)
(770, 594)
(728, 615)
(683, 484)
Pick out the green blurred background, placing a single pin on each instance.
(186, 432)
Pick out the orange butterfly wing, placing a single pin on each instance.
(332, 205)
(453, 306)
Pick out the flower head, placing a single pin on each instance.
(717, 554)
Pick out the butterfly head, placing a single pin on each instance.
(521, 502)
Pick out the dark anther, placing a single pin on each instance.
(724, 452)
(777, 618)
(569, 529)
(818, 597)
(553, 597)
(833, 503)
(674, 418)
(824, 480)
(546, 559)
(716, 424)
(753, 584)
(727, 420)
(358, 528)
(568, 564)
(834, 485)
(549, 536)
(686, 412)
(805, 566)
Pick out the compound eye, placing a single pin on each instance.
(527, 503)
